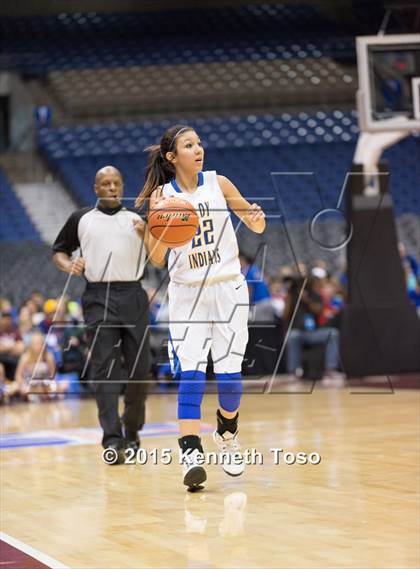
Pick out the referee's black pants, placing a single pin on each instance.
(117, 319)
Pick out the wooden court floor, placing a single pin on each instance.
(359, 507)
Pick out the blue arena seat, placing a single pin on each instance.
(248, 149)
(15, 223)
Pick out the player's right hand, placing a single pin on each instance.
(158, 202)
(157, 198)
(77, 266)
(140, 227)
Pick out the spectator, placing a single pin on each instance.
(305, 329)
(319, 273)
(342, 275)
(319, 269)
(74, 311)
(74, 353)
(52, 325)
(330, 292)
(7, 388)
(258, 288)
(25, 325)
(411, 273)
(332, 303)
(43, 115)
(6, 306)
(38, 298)
(11, 344)
(35, 373)
(408, 259)
(284, 273)
(278, 296)
(37, 314)
(3, 394)
(412, 282)
(50, 308)
(302, 269)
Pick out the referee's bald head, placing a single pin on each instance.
(106, 171)
(109, 186)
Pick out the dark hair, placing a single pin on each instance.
(247, 257)
(159, 170)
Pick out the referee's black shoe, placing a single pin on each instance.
(114, 454)
(132, 440)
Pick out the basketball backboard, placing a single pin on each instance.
(389, 76)
(416, 97)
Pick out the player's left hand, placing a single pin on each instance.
(140, 226)
(255, 213)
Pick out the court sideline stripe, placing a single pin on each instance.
(42, 557)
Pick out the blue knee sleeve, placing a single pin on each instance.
(190, 395)
(229, 387)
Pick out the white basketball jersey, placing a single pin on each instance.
(213, 252)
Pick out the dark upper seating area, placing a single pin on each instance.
(38, 45)
(203, 59)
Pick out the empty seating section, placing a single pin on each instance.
(219, 132)
(261, 55)
(28, 267)
(212, 60)
(15, 224)
(189, 87)
(247, 149)
(39, 45)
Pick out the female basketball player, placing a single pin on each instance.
(208, 297)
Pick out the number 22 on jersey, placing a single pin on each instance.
(205, 232)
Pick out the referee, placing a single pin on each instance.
(115, 306)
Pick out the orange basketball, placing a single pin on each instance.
(174, 223)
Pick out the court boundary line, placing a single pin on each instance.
(32, 552)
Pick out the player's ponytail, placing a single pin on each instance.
(159, 170)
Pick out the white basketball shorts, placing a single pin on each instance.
(213, 316)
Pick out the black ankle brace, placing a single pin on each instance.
(190, 442)
(224, 424)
